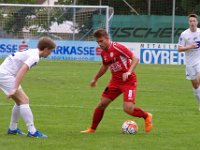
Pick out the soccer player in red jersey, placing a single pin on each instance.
(117, 57)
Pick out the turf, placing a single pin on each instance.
(62, 103)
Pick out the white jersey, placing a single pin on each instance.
(192, 56)
(13, 62)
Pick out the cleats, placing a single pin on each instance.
(37, 134)
(15, 132)
(148, 122)
(89, 130)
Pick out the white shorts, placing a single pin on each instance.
(192, 71)
(7, 82)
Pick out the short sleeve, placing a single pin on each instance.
(181, 41)
(123, 49)
(31, 61)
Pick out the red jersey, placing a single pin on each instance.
(117, 57)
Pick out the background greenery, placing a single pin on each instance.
(158, 7)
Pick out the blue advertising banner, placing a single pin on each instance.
(65, 50)
(75, 50)
(149, 53)
(8, 47)
(161, 56)
(157, 53)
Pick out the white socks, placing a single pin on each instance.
(197, 93)
(14, 117)
(27, 115)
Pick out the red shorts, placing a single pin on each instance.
(113, 90)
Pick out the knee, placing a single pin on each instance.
(102, 106)
(128, 109)
(25, 100)
(195, 86)
(104, 103)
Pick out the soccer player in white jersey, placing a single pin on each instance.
(12, 72)
(189, 42)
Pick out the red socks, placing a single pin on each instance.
(138, 112)
(97, 116)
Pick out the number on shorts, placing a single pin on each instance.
(130, 93)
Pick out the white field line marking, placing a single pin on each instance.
(59, 106)
(112, 108)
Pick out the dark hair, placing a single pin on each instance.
(193, 15)
(100, 33)
(46, 42)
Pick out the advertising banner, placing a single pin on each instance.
(157, 53)
(144, 28)
(65, 50)
(149, 53)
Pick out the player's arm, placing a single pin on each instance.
(129, 54)
(19, 77)
(134, 62)
(182, 46)
(185, 48)
(101, 72)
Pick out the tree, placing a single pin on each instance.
(18, 1)
(191, 6)
(15, 19)
(14, 22)
(64, 2)
(34, 19)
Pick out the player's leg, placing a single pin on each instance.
(196, 88)
(129, 100)
(6, 84)
(98, 114)
(22, 101)
(15, 116)
(109, 94)
(193, 74)
(132, 110)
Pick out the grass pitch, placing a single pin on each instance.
(62, 103)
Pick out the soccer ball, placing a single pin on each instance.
(129, 127)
